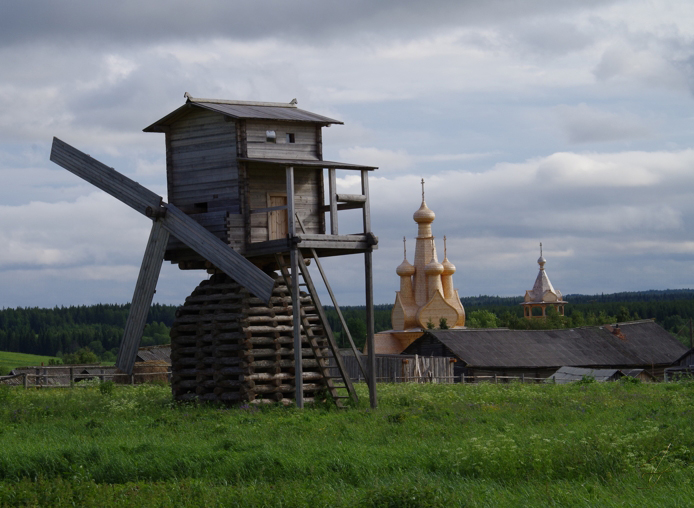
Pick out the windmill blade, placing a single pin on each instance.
(218, 253)
(107, 179)
(176, 222)
(142, 298)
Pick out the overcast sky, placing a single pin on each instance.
(567, 123)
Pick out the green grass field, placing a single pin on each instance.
(617, 444)
(9, 361)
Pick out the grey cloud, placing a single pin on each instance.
(132, 21)
(550, 37)
(585, 124)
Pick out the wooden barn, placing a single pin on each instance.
(539, 353)
(241, 169)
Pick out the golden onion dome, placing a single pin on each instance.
(448, 267)
(424, 214)
(405, 269)
(433, 268)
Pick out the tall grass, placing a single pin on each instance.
(427, 445)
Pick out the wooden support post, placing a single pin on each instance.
(368, 269)
(26, 380)
(345, 328)
(142, 298)
(72, 376)
(365, 192)
(332, 191)
(296, 309)
(522, 378)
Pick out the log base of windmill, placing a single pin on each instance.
(231, 347)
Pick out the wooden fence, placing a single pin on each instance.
(50, 379)
(403, 368)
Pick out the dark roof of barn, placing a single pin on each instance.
(154, 353)
(307, 163)
(569, 374)
(244, 110)
(644, 343)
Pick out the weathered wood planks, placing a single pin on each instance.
(142, 298)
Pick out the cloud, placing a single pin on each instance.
(302, 19)
(585, 124)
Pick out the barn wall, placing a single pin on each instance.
(305, 146)
(202, 158)
(265, 179)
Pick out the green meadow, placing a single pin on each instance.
(585, 444)
(9, 361)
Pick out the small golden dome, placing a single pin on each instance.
(405, 269)
(448, 267)
(424, 214)
(433, 268)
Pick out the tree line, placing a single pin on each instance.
(63, 331)
(66, 331)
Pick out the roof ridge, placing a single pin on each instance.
(291, 104)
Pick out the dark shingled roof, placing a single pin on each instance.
(569, 374)
(644, 343)
(153, 353)
(306, 163)
(254, 111)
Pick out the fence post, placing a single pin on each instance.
(522, 378)
(72, 376)
(26, 380)
(132, 378)
(496, 381)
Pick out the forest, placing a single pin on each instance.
(63, 331)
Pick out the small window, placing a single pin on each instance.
(290, 137)
(270, 136)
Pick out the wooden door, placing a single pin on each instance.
(278, 226)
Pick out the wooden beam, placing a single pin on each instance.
(326, 328)
(343, 323)
(105, 178)
(291, 224)
(142, 298)
(270, 209)
(368, 269)
(341, 206)
(332, 191)
(367, 207)
(296, 309)
(218, 253)
(296, 317)
(351, 198)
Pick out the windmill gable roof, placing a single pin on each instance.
(244, 110)
(644, 343)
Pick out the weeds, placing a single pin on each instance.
(507, 445)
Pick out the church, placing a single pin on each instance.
(427, 298)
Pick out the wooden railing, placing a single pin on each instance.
(61, 380)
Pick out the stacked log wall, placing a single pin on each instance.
(230, 347)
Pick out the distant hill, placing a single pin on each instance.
(652, 295)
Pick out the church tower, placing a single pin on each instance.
(542, 295)
(426, 295)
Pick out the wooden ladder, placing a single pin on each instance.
(340, 386)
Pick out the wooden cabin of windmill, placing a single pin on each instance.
(243, 169)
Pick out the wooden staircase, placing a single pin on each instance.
(339, 386)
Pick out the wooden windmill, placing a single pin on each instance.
(246, 199)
